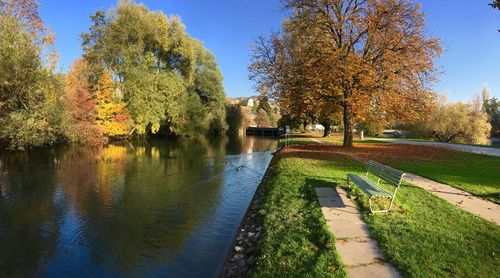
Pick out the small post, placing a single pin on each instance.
(287, 129)
(361, 134)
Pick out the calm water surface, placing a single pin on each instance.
(153, 208)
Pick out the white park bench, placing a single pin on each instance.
(372, 188)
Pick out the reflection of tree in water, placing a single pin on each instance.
(138, 202)
(28, 213)
(135, 204)
(159, 201)
(250, 144)
(77, 174)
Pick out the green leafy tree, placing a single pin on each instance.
(194, 116)
(265, 114)
(150, 57)
(30, 110)
(158, 68)
(491, 106)
(234, 118)
(207, 84)
(20, 65)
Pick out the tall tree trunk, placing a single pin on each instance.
(347, 126)
(328, 128)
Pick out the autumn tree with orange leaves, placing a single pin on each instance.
(80, 107)
(365, 57)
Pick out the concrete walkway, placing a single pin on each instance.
(456, 147)
(460, 198)
(358, 251)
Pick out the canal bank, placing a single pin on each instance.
(243, 254)
(283, 232)
(295, 240)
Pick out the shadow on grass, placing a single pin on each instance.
(321, 182)
(423, 235)
(473, 173)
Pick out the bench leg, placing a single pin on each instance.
(380, 211)
(392, 202)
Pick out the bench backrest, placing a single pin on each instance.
(389, 175)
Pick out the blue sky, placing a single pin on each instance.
(229, 27)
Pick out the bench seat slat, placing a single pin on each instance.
(369, 187)
(389, 175)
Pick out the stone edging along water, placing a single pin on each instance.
(242, 255)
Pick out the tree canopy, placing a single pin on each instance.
(491, 106)
(365, 58)
(141, 73)
(157, 67)
(29, 106)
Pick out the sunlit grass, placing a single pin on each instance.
(424, 236)
(296, 240)
(474, 173)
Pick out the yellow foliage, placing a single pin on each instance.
(112, 116)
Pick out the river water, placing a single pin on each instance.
(154, 208)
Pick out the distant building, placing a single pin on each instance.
(244, 101)
(250, 102)
(317, 127)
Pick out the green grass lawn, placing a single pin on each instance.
(474, 173)
(423, 236)
(434, 141)
(296, 240)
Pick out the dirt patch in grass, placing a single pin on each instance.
(365, 152)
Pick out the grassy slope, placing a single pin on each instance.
(474, 173)
(424, 236)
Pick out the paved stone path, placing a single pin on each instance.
(460, 198)
(358, 251)
(456, 147)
